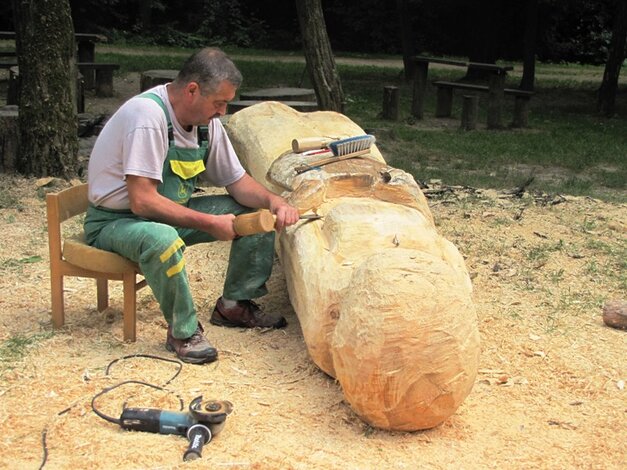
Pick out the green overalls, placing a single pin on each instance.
(158, 248)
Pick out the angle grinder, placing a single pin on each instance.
(203, 420)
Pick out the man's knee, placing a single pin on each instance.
(164, 242)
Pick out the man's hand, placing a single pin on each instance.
(286, 214)
(250, 193)
(222, 227)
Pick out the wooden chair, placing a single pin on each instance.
(71, 256)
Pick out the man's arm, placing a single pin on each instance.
(146, 202)
(250, 193)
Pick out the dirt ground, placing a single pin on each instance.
(549, 394)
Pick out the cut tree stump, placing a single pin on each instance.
(152, 78)
(384, 302)
(9, 138)
(279, 94)
(391, 103)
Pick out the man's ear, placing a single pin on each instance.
(192, 89)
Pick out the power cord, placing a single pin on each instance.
(113, 387)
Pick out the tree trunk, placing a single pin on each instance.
(482, 42)
(407, 38)
(319, 56)
(145, 15)
(529, 46)
(609, 85)
(48, 142)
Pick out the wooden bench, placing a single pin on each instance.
(444, 104)
(421, 71)
(8, 59)
(86, 46)
(85, 43)
(98, 75)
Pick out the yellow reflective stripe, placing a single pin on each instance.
(187, 170)
(177, 268)
(171, 250)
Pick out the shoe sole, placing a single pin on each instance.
(192, 360)
(229, 324)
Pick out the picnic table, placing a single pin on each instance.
(85, 42)
(421, 70)
(95, 74)
(495, 88)
(86, 45)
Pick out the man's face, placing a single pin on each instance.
(213, 105)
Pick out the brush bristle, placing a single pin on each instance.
(351, 144)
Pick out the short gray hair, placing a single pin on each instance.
(209, 67)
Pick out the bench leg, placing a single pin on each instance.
(88, 77)
(104, 82)
(470, 110)
(13, 89)
(496, 96)
(80, 95)
(444, 106)
(521, 111)
(420, 89)
(86, 51)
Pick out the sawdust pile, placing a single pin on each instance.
(550, 392)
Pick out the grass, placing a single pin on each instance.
(568, 148)
(8, 199)
(16, 347)
(18, 264)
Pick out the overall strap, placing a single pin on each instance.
(202, 131)
(157, 99)
(203, 140)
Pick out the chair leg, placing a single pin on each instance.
(130, 306)
(102, 290)
(56, 290)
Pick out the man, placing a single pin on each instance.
(141, 175)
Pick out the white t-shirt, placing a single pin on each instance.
(134, 141)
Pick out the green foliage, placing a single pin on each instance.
(231, 23)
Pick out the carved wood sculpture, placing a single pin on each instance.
(383, 300)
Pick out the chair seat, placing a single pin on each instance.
(79, 253)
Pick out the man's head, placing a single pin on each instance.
(205, 84)
(209, 67)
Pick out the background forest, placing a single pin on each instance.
(571, 31)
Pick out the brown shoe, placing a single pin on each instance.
(195, 349)
(245, 314)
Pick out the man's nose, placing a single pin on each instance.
(222, 109)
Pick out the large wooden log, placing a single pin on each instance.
(383, 300)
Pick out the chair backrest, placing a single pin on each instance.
(62, 206)
(69, 202)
